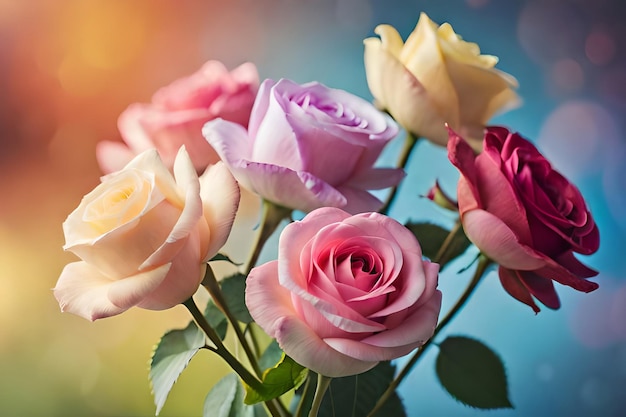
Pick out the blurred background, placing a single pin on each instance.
(70, 67)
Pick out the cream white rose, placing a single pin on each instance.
(436, 78)
(144, 235)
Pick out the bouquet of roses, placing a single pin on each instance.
(352, 288)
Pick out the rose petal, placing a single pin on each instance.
(266, 299)
(169, 130)
(275, 141)
(120, 252)
(305, 347)
(100, 213)
(569, 262)
(358, 200)
(415, 328)
(131, 291)
(220, 197)
(366, 352)
(246, 74)
(497, 194)
(83, 290)
(410, 259)
(187, 180)
(133, 133)
(295, 246)
(496, 240)
(341, 114)
(462, 156)
(270, 305)
(314, 140)
(482, 92)
(298, 190)
(389, 38)
(541, 288)
(423, 57)
(338, 314)
(150, 162)
(291, 277)
(113, 156)
(403, 94)
(259, 109)
(560, 274)
(515, 287)
(182, 280)
(199, 89)
(431, 272)
(231, 142)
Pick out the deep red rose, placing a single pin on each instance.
(524, 215)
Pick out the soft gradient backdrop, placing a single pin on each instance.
(69, 68)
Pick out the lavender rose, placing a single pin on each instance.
(308, 146)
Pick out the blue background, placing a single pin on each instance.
(70, 67)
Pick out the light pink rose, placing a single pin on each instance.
(144, 236)
(346, 292)
(177, 113)
(308, 146)
(525, 216)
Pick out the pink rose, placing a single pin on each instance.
(346, 292)
(308, 146)
(177, 113)
(525, 216)
(144, 236)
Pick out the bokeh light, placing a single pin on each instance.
(550, 30)
(70, 67)
(600, 47)
(579, 137)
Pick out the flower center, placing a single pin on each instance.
(333, 110)
(362, 264)
(363, 271)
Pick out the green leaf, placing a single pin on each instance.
(226, 399)
(271, 356)
(286, 375)
(216, 319)
(170, 358)
(355, 396)
(432, 237)
(222, 257)
(472, 373)
(234, 290)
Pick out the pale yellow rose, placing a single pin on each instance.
(436, 78)
(144, 236)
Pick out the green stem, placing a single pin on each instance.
(271, 218)
(253, 339)
(283, 411)
(220, 349)
(445, 246)
(305, 396)
(478, 274)
(407, 149)
(210, 283)
(225, 354)
(322, 385)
